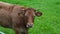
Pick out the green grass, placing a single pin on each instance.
(48, 23)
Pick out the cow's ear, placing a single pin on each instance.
(38, 13)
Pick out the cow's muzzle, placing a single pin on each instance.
(29, 25)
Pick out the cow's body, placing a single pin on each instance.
(12, 16)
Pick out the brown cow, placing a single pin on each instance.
(17, 17)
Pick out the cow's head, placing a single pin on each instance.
(30, 14)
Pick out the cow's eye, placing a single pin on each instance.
(19, 13)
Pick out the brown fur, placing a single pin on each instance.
(16, 17)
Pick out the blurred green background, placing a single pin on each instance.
(48, 23)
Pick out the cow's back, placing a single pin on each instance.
(6, 6)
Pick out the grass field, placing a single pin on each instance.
(48, 23)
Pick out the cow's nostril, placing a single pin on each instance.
(29, 25)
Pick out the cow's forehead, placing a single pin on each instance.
(31, 9)
(30, 12)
